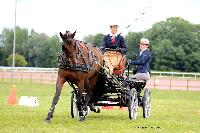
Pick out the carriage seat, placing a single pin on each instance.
(121, 67)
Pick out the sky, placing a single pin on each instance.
(93, 16)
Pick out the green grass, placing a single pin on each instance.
(172, 111)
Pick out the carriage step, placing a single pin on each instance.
(112, 94)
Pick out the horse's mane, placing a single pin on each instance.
(67, 35)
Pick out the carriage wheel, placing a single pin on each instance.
(146, 103)
(74, 108)
(133, 104)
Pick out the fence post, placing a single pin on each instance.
(31, 77)
(21, 76)
(2, 77)
(154, 83)
(11, 77)
(51, 77)
(187, 84)
(41, 78)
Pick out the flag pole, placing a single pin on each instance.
(14, 41)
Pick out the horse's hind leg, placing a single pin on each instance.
(90, 95)
(59, 85)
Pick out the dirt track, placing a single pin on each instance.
(157, 83)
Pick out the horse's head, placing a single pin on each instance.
(69, 43)
(68, 37)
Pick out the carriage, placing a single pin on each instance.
(81, 65)
(118, 89)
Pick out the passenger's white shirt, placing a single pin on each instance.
(142, 51)
(115, 35)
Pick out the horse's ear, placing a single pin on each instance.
(61, 35)
(73, 34)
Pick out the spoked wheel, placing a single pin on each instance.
(146, 103)
(133, 104)
(74, 108)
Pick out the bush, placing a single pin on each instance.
(19, 60)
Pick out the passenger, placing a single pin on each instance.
(114, 47)
(142, 64)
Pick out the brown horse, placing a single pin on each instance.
(79, 65)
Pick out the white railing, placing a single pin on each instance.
(27, 69)
(160, 80)
(184, 75)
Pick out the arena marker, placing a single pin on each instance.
(12, 98)
(28, 101)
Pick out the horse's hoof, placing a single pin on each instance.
(46, 121)
(97, 110)
(82, 118)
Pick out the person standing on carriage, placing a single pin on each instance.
(114, 48)
(142, 64)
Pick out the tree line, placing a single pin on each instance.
(32, 49)
(175, 46)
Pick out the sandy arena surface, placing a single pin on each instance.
(153, 83)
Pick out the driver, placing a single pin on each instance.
(114, 47)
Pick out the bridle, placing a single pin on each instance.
(64, 59)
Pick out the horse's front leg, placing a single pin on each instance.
(79, 101)
(59, 85)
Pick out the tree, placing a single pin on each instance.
(51, 51)
(88, 38)
(96, 40)
(19, 60)
(41, 50)
(6, 41)
(183, 40)
(175, 45)
(132, 40)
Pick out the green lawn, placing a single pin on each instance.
(172, 111)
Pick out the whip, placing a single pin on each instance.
(141, 14)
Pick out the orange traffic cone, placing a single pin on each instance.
(12, 98)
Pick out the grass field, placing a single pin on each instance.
(172, 111)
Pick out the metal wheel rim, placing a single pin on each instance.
(147, 104)
(133, 106)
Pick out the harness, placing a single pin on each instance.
(65, 62)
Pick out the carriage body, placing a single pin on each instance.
(119, 89)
